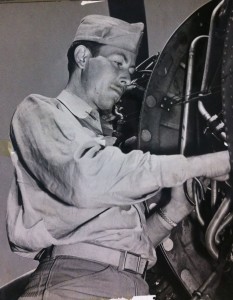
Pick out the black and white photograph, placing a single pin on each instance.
(116, 150)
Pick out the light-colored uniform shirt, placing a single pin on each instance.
(70, 187)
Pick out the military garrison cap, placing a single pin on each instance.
(110, 31)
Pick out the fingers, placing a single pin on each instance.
(222, 178)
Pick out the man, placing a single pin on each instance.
(76, 202)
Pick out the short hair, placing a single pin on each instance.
(92, 46)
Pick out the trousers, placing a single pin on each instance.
(72, 278)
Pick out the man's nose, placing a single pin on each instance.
(125, 78)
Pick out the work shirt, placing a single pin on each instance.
(70, 186)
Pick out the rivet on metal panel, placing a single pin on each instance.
(151, 101)
(168, 244)
(183, 65)
(146, 135)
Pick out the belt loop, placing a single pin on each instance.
(145, 269)
(44, 253)
(40, 254)
(122, 261)
(138, 264)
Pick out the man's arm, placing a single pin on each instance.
(176, 210)
(209, 165)
(74, 167)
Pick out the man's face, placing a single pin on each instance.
(107, 76)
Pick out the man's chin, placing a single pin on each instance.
(117, 100)
(107, 108)
(114, 101)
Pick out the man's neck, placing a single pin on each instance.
(75, 87)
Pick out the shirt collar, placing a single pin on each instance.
(76, 105)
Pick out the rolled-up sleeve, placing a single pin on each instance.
(74, 167)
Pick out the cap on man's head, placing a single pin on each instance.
(110, 31)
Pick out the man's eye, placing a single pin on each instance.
(118, 63)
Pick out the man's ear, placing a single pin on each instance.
(81, 56)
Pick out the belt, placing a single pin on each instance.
(121, 259)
